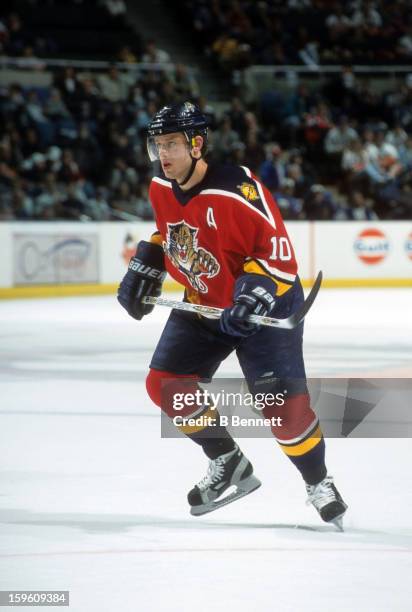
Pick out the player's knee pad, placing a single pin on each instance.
(153, 386)
(295, 418)
(168, 390)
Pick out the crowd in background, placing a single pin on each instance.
(76, 149)
(32, 30)
(239, 33)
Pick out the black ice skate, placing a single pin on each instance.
(230, 470)
(326, 499)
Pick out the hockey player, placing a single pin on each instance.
(221, 235)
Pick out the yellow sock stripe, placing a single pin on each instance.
(206, 419)
(253, 267)
(303, 447)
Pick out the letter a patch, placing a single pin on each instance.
(210, 218)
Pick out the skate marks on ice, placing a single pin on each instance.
(165, 534)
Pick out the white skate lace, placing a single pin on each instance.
(214, 473)
(321, 494)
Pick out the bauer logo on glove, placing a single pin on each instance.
(138, 266)
(144, 277)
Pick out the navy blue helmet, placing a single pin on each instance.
(184, 117)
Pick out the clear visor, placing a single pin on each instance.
(159, 147)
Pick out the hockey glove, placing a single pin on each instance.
(144, 277)
(253, 294)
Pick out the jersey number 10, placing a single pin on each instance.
(281, 249)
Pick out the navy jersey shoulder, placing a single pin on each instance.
(237, 180)
(224, 177)
(227, 178)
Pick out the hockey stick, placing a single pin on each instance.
(288, 323)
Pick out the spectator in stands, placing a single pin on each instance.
(30, 142)
(367, 17)
(394, 199)
(338, 24)
(6, 213)
(116, 8)
(140, 121)
(302, 182)
(274, 54)
(35, 168)
(122, 174)
(224, 139)
(126, 55)
(113, 85)
(251, 125)
(48, 198)
(386, 166)
(185, 85)
(12, 102)
(237, 116)
(73, 204)
(397, 136)
(136, 100)
(226, 50)
(319, 204)
(121, 201)
(355, 161)
(404, 47)
(36, 117)
(17, 36)
(55, 108)
(317, 123)
(86, 151)
(337, 139)
(308, 52)
(4, 36)
(208, 110)
(69, 171)
(68, 84)
(237, 154)
(8, 170)
(369, 144)
(88, 101)
(254, 152)
(360, 208)
(289, 204)
(273, 169)
(98, 207)
(299, 5)
(144, 209)
(154, 55)
(405, 154)
(29, 60)
(339, 136)
(389, 162)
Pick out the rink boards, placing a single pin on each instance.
(74, 258)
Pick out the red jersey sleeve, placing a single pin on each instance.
(259, 233)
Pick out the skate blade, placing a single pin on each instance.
(338, 522)
(243, 488)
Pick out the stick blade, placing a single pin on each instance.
(300, 314)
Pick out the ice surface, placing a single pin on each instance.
(92, 500)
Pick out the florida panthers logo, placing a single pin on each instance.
(181, 247)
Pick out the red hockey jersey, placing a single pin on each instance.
(226, 225)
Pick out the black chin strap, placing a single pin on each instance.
(191, 170)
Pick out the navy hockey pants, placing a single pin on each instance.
(191, 344)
